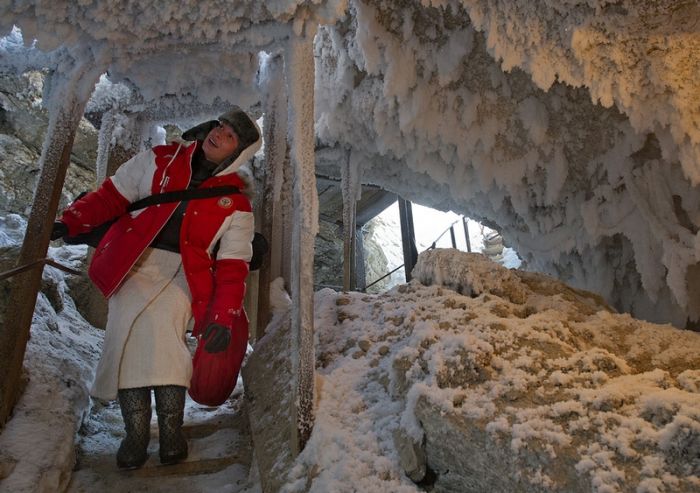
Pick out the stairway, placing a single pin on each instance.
(220, 453)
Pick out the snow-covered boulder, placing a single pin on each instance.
(520, 384)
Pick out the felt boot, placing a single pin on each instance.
(135, 405)
(170, 407)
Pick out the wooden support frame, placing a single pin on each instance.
(274, 214)
(466, 234)
(300, 74)
(104, 147)
(408, 237)
(349, 188)
(360, 280)
(68, 105)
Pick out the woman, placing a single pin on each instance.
(164, 265)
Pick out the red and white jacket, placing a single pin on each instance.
(217, 284)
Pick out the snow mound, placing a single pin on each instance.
(475, 276)
(524, 384)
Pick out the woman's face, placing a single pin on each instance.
(220, 143)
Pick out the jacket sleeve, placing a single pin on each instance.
(112, 198)
(231, 269)
(94, 208)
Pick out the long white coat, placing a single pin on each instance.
(145, 335)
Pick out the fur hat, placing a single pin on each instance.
(245, 128)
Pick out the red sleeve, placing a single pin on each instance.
(229, 289)
(94, 208)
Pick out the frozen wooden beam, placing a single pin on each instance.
(408, 237)
(360, 274)
(350, 187)
(69, 94)
(275, 218)
(104, 145)
(299, 69)
(374, 205)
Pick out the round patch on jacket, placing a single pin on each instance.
(225, 202)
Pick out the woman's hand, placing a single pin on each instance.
(59, 230)
(218, 338)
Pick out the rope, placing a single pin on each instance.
(42, 262)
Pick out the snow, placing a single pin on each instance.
(571, 126)
(616, 395)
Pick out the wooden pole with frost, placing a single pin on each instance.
(300, 72)
(349, 185)
(275, 217)
(69, 95)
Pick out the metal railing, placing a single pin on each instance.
(37, 263)
(433, 245)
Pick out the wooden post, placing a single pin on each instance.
(408, 237)
(299, 69)
(349, 240)
(466, 234)
(360, 280)
(349, 186)
(276, 189)
(69, 96)
(127, 147)
(104, 144)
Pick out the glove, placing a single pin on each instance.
(59, 230)
(218, 338)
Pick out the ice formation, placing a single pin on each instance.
(571, 127)
(490, 109)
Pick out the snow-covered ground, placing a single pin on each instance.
(540, 368)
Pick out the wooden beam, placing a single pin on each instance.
(300, 73)
(349, 239)
(408, 237)
(466, 234)
(274, 193)
(369, 209)
(68, 104)
(104, 145)
(360, 280)
(349, 188)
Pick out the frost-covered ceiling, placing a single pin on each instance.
(574, 126)
(173, 54)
